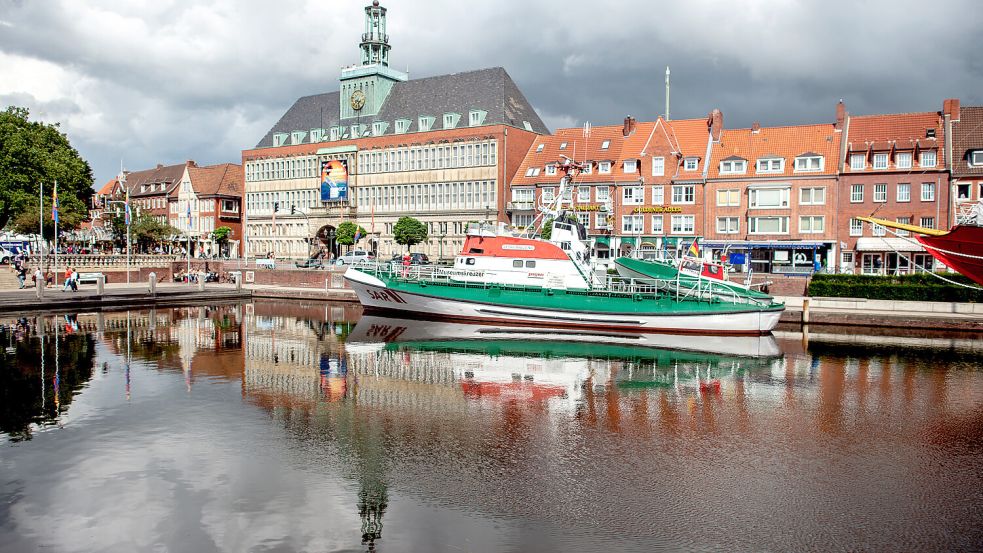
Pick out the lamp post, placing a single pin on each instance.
(126, 210)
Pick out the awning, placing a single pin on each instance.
(628, 240)
(648, 244)
(764, 245)
(602, 240)
(887, 244)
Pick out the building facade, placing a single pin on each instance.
(440, 149)
(966, 155)
(205, 199)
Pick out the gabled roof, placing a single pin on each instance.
(967, 135)
(898, 130)
(491, 90)
(784, 142)
(108, 188)
(217, 180)
(168, 175)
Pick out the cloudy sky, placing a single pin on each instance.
(148, 81)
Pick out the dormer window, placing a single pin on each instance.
(691, 164)
(451, 119)
(771, 165)
(928, 158)
(551, 169)
(563, 145)
(858, 162)
(586, 168)
(317, 135)
(401, 126)
(297, 137)
(279, 139)
(631, 165)
(733, 167)
(808, 163)
(903, 160)
(335, 133)
(880, 161)
(379, 128)
(476, 117)
(605, 144)
(976, 158)
(532, 172)
(425, 122)
(540, 147)
(604, 167)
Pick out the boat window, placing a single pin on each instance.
(470, 261)
(517, 263)
(476, 250)
(565, 245)
(530, 264)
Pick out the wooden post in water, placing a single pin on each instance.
(805, 311)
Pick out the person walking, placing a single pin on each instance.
(22, 274)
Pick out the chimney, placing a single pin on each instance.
(160, 165)
(840, 115)
(190, 163)
(629, 128)
(950, 107)
(756, 127)
(716, 124)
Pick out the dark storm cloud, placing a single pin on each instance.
(150, 81)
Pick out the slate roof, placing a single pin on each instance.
(777, 142)
(967, 135)
(491, 90)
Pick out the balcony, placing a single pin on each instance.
(366, 37)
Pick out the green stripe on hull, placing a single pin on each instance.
(563, 350)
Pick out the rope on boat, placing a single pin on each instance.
(923, 269)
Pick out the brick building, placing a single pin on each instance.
(641, 190)
(440, 149)
(893, 168)
(966, 154)
(204, 199)
(771, 197)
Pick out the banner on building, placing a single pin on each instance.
(334, 180)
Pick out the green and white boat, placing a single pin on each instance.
(688, 269)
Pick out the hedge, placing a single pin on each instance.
(917, 287)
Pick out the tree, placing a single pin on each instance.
(547, 228)
(33, 154)
(221, 235)
(345, 233)
(145, 230)
(409, 232)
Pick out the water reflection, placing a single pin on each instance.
(424, 435)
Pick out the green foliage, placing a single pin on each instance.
(145, 230)
(71, 214)
(409, 231)
(32, 153)
(547, 228)
(221, 235)
(345, 233)
(917, 287)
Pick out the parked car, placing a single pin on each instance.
(310, 263)
(416, 258)
(355, 257)
(6, 256)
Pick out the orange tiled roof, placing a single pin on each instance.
(785, 142)
(224, 179)
(579, 149)
(903, 130)
(107, 188)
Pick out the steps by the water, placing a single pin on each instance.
(8, 278)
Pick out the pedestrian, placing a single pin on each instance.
(22, 274)
(75, 280)
(68, 280)
(38, 275)
(406, 264)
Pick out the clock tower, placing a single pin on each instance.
(365, 87)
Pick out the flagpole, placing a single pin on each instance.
(54, 212)
(41, 228)
(126, 213)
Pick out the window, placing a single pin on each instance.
(768, 225)
(549, 194)
(765, 198)
(878, 230)
(658, 195)
(523, 195)
(683, 194)
(772, 165)
(812, 196)
(551, 169)
(927, 222)
(928, 158)
(858, 162)
(733, 166)
(584, 218)
(522, 220)
(659, 166)
(631, 165)
(880, 193)
(728, 225)
(903, 221)
(856, 227)
(809, 163)
(601, 220)
(451, 119)
(976, 158)
(563, 145)
(602, 193)
(729, 197)
(632, 224)
(605, 144)
(690, 163)
(583, 193)
(928, 191)
(904, 192)
(402, 125)
(633, 195)
(476, 117)
(657, 223)
(856, 193)
(586, 167)
(604, 167)
(812, 224)
(540, 148)
(880, 161)
(903, 160)
(683, 224)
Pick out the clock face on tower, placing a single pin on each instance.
(357, 100)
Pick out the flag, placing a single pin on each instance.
(694, 248)
(189, 214)
(358, 233)
(54, 205)
(126, 214)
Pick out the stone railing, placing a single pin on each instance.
(111, 261)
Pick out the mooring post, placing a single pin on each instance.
(152, 279)
(201, 282)
(100, 285)
(39, 287)
(805, 311)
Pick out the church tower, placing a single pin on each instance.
(365, 87)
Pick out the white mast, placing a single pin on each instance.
(667, 93)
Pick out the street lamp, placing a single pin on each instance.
(126, 210)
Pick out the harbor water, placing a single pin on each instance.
(279, 426)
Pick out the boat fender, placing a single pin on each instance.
(637, 297)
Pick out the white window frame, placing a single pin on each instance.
(601, 220)
(683, 194)
(659, 166)
(928, 158)
(804, 164)
(605, 144)
(770, 165)
(586, 168)
(877, 230)
(604, 167)
(728, 225)
(856, 193)
(784, 193)
(691, 164)
(632, 220)
(903, 197)
(563, 146)
(732, 197)
(583, 193)
(551, 169)
(602, 193)
(928, 192)
(683, 224)
(523, 195)
(903, 221)
(976, 158)
(812, 194)
(880, 193)
(858, 162)
(584, 218)
(658, 224)
(753, 224)
(549, 193)
(540, 147)
(903, 160)
(856, 227)
(812, 219)
(658, 195)
(927, 222)
(633, 195)
(880, 161)
(733, 167)
(630, 166)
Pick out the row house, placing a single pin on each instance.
(771, 197)
(966, 155)
(204, 199)
(894, 168)
(640, 189)
(146, 190)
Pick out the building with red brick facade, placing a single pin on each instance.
(771, 197)
(894, 168)
(966, 154)
(204, 199)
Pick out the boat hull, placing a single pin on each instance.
(641, 269)
(481, 305)
(965, 240)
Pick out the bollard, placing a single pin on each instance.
(201, 282)
(39, 286)
(100, 285)
(152, 278)
(805, 311)
(238, 278)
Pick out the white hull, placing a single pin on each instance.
(373, 293)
